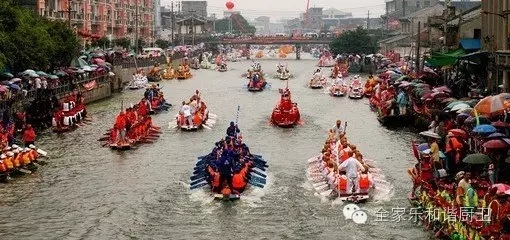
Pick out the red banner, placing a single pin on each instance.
(90, 85)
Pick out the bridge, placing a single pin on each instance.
(296, 41)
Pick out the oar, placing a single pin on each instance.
(256, 184)
(258, 179)
(103, 139)
(198, 185)
(195, 182)
(24, 170)
(253, 170)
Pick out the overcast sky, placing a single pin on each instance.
(287, 9)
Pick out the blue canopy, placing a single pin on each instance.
(470, 44)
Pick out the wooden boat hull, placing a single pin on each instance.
(285, 119)
(395, 120)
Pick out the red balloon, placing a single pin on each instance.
(229, 5)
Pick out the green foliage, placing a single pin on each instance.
(239, 25)
(28, 41)
(354, 42)
(123, 42)
(164, 44)
(103, 42)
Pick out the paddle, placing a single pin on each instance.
(198, 185)
(24, 170)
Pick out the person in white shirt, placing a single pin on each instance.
(338, 129)
(186, 111)
(352, 166)
(37, 83)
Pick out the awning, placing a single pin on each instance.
(438, 59)
(470, 44)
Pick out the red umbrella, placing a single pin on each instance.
(501, 188)
(457, 132)
(440, 95)
(500, 124)
(495, 144)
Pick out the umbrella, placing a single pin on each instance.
(15, 80)
(78, 63)
(457, 132)
(452, 104)
(495, 144)
(3, 88)
(465, 110)
(484, 128)
(61, 73)
(440, 94)
(14, 86)
(463, 115)
(441, 154)
(448, 100)
(477, 158)
(41, 73)
(500, 124)
(430, 134)
(472, 102)
(444, 89)
(33, 75)
(459, 106)
(422, 147)
(496, 135)
(80, 71)
(53, 77)
(490, 106)
(7, 75)
(501, 188)
(28, 72)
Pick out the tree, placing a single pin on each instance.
(162, 43)
(102, 42)
(123, 42)
(29, 41)
(354, 42)
(239, 24)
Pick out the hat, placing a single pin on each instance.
(15, 151)
(460, 175)
(26, 150)
(2, 156)
(7, 148)
(14, 146)
(20, 149)
(32, 146)
(10, 154)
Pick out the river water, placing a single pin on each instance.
(90, 192)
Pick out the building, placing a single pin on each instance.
(157, 18)
(331, 18)
(293, 26)
(313, 20)
(106, 18)
(494, 31)
(262, 24)
(197, 7)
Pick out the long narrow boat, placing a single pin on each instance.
(286, 112)
(18, 161)
(333, 185)
(241, 170)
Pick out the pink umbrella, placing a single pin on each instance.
(501, 188)
(3, 88)
(442, 89)
(495, 144)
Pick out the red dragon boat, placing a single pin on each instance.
(356, 89)
(285, 113)
(70, 114)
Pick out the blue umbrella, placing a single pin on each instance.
(41, 73)
(441, 154)
(497, 135)
(484, 129)
(422, 147)
(14, 86)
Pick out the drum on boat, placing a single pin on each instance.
(65, 107)
(68, 121)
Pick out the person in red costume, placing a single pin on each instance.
(285, 101)
(59, 117)
(29, 135)
(142, 108)
(120, 127)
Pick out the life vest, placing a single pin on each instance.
(18, 159)
(473, 201)
(25, 158)
(8, 163)
(364, 181)
(216, 179)
(3, 168)
(238, 181)
(342, 183)
(33, 154)
(14, 161)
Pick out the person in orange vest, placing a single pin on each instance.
(365, 182)
(342, 184)
(33, 152)
(453, 150)
(120, 126)
(25, 157)
(3, 165)
(239, 181)
(29, 135)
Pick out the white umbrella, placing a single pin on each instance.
(460, 106)
(430, 134)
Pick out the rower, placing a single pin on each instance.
(4, 167)
(120, 126)
(186, 113)
(365, 182)
(233, 130)
(338, 129)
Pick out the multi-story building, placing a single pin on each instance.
(313, 20)
(110, 18)
(197, 7)
(331, 18)
(495, 40)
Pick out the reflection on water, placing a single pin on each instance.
(90, 192)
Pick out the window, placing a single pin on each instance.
(418, 4)
(477, 33)
(426, 3)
